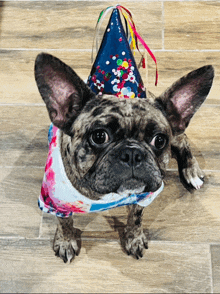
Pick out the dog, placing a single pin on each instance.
(116, 145)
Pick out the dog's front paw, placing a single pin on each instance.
(66, 249)
(194, 175)
(135, 243)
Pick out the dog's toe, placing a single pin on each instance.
(196, 182)
(65, 249)
(193, 175)
(135, 245)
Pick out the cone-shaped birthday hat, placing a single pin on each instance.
(115, 71)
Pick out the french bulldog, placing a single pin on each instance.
(111, 144)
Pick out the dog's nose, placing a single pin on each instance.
(131, 156)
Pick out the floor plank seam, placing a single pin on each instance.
(22, 104)
(41, 225)
(137, 1)
(163, 27)
(42, 167)
(43, 105)
(12, 238)
(90, 50)
(106, 240)
(21, 166)
(211, 271)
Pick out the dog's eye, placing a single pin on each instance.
(159, 141)
(99, 137)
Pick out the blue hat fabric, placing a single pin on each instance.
(114, 70)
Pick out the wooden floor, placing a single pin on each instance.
(184, 228)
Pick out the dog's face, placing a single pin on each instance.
(119, 145)
(116, 145)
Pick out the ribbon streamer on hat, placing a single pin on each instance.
(132, 39)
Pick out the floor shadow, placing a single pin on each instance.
(119, 227)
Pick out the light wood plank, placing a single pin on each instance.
(173, 65)
(192, 25)
(24, 136)
(215, 254)
(23, 139)
(19, 213)
(183, 216)
(175, 215)
(69, 24)
(170, 267)
(18, 83)
(17, 73)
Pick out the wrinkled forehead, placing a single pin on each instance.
(126, 113)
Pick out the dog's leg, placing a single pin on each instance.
(188, 166)
(65, 243)
(135, 239)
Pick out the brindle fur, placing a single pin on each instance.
(65, 242)
(135, 238)
(132, 123)
(130, 119)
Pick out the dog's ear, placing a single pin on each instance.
(63, 92)
(180, 102)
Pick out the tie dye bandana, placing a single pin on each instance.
(60, 198)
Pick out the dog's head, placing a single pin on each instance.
(111, 144)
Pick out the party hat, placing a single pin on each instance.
(115, 71)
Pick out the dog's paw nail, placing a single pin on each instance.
(75, 247)
(66, 250)
(135, 245)
(197, 183)
(70, 253)
(145, 245)
(140, 253)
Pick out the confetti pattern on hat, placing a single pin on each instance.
(114, 70)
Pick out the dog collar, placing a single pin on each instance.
(60, 198)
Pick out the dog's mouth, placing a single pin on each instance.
(123, 190)
(132, 186)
